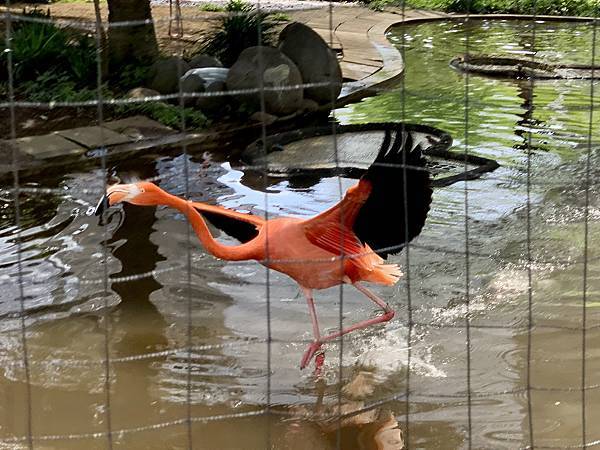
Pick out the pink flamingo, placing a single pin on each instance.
(345, 244)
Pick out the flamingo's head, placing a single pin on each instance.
(142, 193)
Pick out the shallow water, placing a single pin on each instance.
(140, 319)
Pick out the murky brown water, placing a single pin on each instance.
(146, 330)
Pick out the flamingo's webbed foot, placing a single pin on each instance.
(312, 350)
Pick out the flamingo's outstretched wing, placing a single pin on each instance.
(386, 209)
(397, 207)
(241, 226)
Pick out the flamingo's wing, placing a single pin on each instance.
(243, 227)
(373, 211)
(397, 206)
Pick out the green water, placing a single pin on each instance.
(542, 134)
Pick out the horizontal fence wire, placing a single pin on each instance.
(276, 174)
(263, 411)
(350, 86)
(446, 251)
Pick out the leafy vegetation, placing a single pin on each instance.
(53, 87)
(212, 7)
(57, 64)
(243, 27)
(131, 76)
(555, 7)
(40, 47)
(164, 113)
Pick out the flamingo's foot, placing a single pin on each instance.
(310, 352)
(319, 360)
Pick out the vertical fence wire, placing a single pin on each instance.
(103, 162)
(409, 306)
(336, 158)
(265, 174)
(17, 209)
(466, 228)
(585, 246)
(528, 231)
(188, 228)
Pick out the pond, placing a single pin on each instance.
(158, 274)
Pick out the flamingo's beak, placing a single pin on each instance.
(103, 204)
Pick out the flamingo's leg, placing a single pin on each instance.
(388, 315)
(315, 346)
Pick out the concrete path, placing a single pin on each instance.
(368, 59)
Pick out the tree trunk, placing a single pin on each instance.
(132, 43)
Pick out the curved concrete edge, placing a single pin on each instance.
(393, 64)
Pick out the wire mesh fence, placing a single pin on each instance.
(29, 361)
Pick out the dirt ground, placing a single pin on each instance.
(195, 21)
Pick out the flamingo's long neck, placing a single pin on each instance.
(228, 252)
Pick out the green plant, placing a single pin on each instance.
(56, 87)
(556, 7)
(212, 7)
(280, 17)
(164, 113)
(39, 47)
(132, 75)
(243, 27)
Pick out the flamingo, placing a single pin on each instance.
(348, 243)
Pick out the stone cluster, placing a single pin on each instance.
(301, 74)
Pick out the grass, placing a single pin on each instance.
(212, 7)
(552, 7)
(280, 17)
(169, 115)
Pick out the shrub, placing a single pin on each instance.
(131, 76)
(56, 87)
(40, 47)
(557, 7)
(243, 27)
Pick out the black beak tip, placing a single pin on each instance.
(102, 205)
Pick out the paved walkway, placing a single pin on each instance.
(359, 34)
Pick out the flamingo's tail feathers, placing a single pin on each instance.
(387, 274)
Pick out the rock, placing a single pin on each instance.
(278, 72)
(309, 105)
(142, 92)
(207, 79)
(216, 102)
(315, 60)
(200, 61)
(164, 74)
(260, 116)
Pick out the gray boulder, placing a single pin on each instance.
(278, 73)
(164, 74)
(207, 79)
(199, 61)
(315, 60)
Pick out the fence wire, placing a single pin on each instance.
(270, 409)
